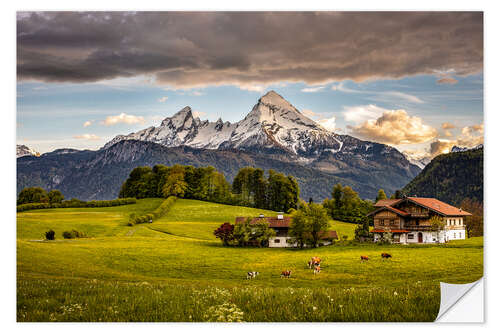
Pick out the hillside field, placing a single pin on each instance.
(175, 270)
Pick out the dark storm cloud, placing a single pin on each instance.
(196, 49)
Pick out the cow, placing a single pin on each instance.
(252, 275)
(317, 269)
(286, 274)
(386, 255)
(364, 258)
(315, 261)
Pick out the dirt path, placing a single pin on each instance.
(132, 231)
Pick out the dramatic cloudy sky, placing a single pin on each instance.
(413, 80)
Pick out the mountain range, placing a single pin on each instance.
(274, 134)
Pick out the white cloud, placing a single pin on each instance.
(87, 123)
(253, 87)
(447, 125)
(395, 127)
(403, 96)
(197, 93)
(87, 137)
(328, 123)
(340, 87)
(162, 99)
(122, 118)
(313, 89)
(360, 113)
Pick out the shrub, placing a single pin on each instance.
(73, 234)
(50, 235)
(156, 214)
(225, 233)
(76, 203)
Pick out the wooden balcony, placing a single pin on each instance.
(423, 215)
(418, 227)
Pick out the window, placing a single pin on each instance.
(276, 240)
(454, 235)
(410, 236)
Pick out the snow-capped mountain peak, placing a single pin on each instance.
(22, 150)
(273, 124)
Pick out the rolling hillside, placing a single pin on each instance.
(451, 178)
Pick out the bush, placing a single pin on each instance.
(73, 234)
(50, 235)
(156, 214)
(76, 203)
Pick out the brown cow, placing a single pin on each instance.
(386, 255)
(364, 258)
(315, 261)
(286, 274)
(317, 269)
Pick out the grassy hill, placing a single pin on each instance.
(175, 270)
(451, 178)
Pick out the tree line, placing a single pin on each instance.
(346, 205)
(250, 187)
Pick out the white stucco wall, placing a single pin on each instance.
(282, 242)
(455, 234)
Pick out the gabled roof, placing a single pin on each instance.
(439, 206)
(395, 210)
(274, 222)
(386, 202)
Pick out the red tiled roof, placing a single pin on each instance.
(395, 210)
(386, 202)
(274, 222)
(394, 231)
(439, 206)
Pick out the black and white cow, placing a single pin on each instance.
(252, 275)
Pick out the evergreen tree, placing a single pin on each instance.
(380, 195)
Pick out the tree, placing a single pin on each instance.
(473, 224)
(32, 195)
(437, 225)
(317, 222)
(175, 184)
(225, 233)
(55, 196)
(248, 233)
(362, 231)
(380, 195)
(337, 195)
(298, 228)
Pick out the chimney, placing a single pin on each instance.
(261, 215)
(280, 216)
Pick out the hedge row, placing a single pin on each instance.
(156, 214)
(75, 203)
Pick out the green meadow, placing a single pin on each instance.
(175, 270)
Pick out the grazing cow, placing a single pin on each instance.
(315, 261)
(252, 275)
(286, 274)
(363, 258)
(317, 269)
(386, 255)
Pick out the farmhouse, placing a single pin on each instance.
(281, 225)
(408, 220)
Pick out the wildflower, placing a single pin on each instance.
(315, 308)
(395, 293)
